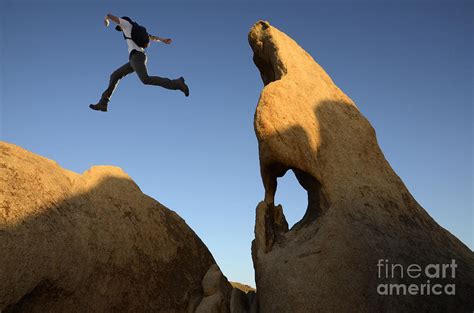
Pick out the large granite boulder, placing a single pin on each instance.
(360, 220)
(91, 242)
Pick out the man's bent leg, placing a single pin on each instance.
(138, 61)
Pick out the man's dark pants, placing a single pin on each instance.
(136, 64)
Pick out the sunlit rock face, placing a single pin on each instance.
(360, 220)
(91, 243)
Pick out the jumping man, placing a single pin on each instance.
(137, 40)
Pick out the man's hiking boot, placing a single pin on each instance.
(99, 107)
(183, 87)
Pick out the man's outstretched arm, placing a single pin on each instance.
(159, 39)
(110, 17)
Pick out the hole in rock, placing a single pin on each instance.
(292, 197)
(302, 198)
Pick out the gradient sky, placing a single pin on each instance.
(408, 66)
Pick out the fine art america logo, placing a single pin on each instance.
(408, 279)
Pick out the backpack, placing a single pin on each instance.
(139, 35)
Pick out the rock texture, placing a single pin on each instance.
(91, 242)
(359, 211)
(217, 292)
(221, 296)
(243, 287)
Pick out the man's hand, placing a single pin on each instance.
(159, 39)
(109, 17)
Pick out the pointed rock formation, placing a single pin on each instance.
(91, 242)
(360, 220)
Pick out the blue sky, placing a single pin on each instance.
(407, 65)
